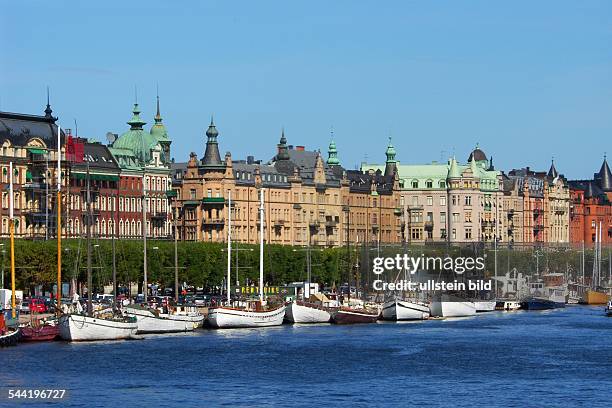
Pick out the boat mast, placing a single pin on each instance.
(114, 251)
(12, 234)
(229, 244)
(145, 290)
(261, 248)
(58, 228)
(176, 279)
(89, 222)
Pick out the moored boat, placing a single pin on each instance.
(353, 316)
(9, 337)
(594, 297)
(608, 309)
(151, 321)
(508, 305)
(484, 305)
(404, 310)
(451, 306)
(228, 317)
(78, 327)
(306, 312)
(43, 332)
(540, 303)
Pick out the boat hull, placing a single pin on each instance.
(74, 327)
(404, 310)
(450, 306)
(43, 333)
(484, 305)
(541, 304)
(303, 313)
(344, 316)
(592, 297)
(149, 323)
(10, 339)
(226, 318)
(508, 305)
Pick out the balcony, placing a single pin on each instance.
(279, 223)
(314, 224)
(213, 222)
(398, 211)
(330, 223)
(159, 217)
(213, 201)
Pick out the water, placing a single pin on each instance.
(554, 358)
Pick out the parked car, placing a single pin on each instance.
(37, 305)
(25, 307)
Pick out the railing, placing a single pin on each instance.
(213, 221)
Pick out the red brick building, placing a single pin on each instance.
(591, 206)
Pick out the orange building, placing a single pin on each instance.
(591, 207)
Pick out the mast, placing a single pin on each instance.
(58, 228)
(348, 253)
(12, 234)
(89, 222)
(176, 278)
(113, 212)
(261, 248)
(145, 290)
(229, 245)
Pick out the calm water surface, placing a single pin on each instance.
(556, 358)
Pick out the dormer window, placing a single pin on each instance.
(415, 183)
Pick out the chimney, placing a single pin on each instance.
(250, 159)
(299, 148)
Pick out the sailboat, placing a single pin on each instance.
(448, 305)
(152, 320)
(594, 295)
(74, 325)
(256, 313)
(9, 333)
(309, 309)
(351, 313)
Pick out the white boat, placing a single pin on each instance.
(508, 305)
(77, 327)
(609, 309)
(227, 317)
(306, 312)
(484, 305)
(150, 322)
(451, 306)
(404, 310)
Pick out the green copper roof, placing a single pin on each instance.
(390, 152)
(158, 130)
(137, 140)
(453, 171)
(332, 154)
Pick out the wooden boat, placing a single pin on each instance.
(46, 331)
(404, 310)
(256, 313)
(484, 305)
(446, 305)
(352, 316)
(306, 312)
(593, 297)
(152, 321)
(9, 337)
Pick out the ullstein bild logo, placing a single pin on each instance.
(413, 265)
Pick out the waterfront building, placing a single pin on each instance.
(309, 201)
(591, 206)
(29, 141)
(448, 201)
(143, 155)
(537, 206)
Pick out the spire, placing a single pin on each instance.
(390, 164)
(158, 118)
(212, 158)
(332, 152)
(281, 147)
(48, 111)
(604, 177)
(136, 123)
(474, 168)
(552, 172)
(491, 167)
(453, 171)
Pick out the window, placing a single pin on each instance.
(454, 233)
(468, 216)
(455, 217)
(442, 184)
(192, 194)
(443, 201)
(454, 200)
(468, 200)
(429, 200)
(415, 200)
(443, 218)
(429, 184)
(415, 183)
(468, 233)
(429, 217)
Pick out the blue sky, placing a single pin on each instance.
(526, 79)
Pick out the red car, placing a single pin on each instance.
(37, 306)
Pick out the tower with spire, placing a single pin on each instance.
(282, 149)
(159, 132)
(390, 163)
(604, 177)
(332, 153)
(212, 158)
